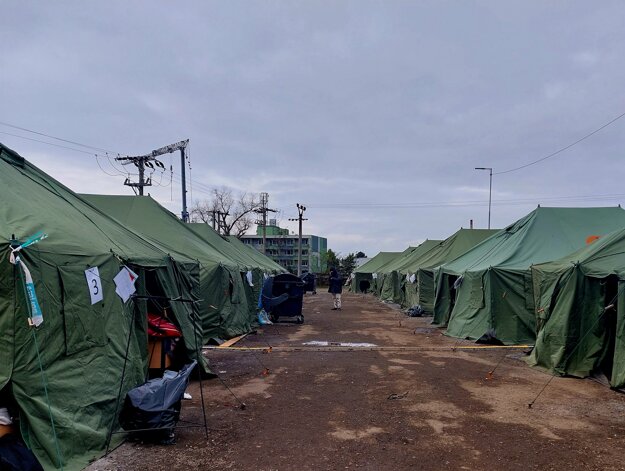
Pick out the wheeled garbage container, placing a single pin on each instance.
(283, 296)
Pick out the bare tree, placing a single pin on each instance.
(229, 214)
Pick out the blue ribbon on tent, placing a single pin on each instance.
(36, 315)
(33, 239)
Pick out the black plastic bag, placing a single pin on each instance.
(14, 456)
(156, 405)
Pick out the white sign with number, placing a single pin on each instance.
(95, 284)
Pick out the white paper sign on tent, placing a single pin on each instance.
(413, 278)
(374, 276)
(248, 275)
(125, 283)
(95, 284)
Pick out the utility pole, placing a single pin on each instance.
(221, 221)
(264, 209)
(142, 161)
(300, 209)
(183, 176)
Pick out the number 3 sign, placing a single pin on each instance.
(95, 284)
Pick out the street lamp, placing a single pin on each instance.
(300, 209)
(490, 188)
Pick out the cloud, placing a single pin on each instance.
(378, 104)
(586, 58)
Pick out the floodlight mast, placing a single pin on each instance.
(490, 188)
(141, 161)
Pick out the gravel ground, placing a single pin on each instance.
(410, 402)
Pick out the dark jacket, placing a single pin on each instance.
(336, 283)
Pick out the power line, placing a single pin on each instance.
(205, 189)
(437, 204)
(112, 163)
(109, 174)
(45, 142)
(57, 138)
(563, 148)
(148, 161)
(188, 156)
(93, 154)
(160, 182)
(119, 172)
(199, 187)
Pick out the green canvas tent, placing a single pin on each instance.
(393, 282)
(78, 351)
(419, 289)
(260, 260)
(225, 309)
(488, 290)
(577, 335)
(251, 262)
(384, 283)
(367, 271)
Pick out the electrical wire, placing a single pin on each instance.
(205, 189)
(502, 202)
(112, 164)
(109, 174)
(57, 138)
(188, 157)
(45, 142)
(160, 183)
(75, 150)
(559, 151)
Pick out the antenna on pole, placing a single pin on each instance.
(263, 210)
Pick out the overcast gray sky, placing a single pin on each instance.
(364, 110)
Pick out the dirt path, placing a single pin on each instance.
(384, 409)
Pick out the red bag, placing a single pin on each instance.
(159, 326)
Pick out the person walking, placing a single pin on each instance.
(336, 288)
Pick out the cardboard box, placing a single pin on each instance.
(157, 355)
(5, 429)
